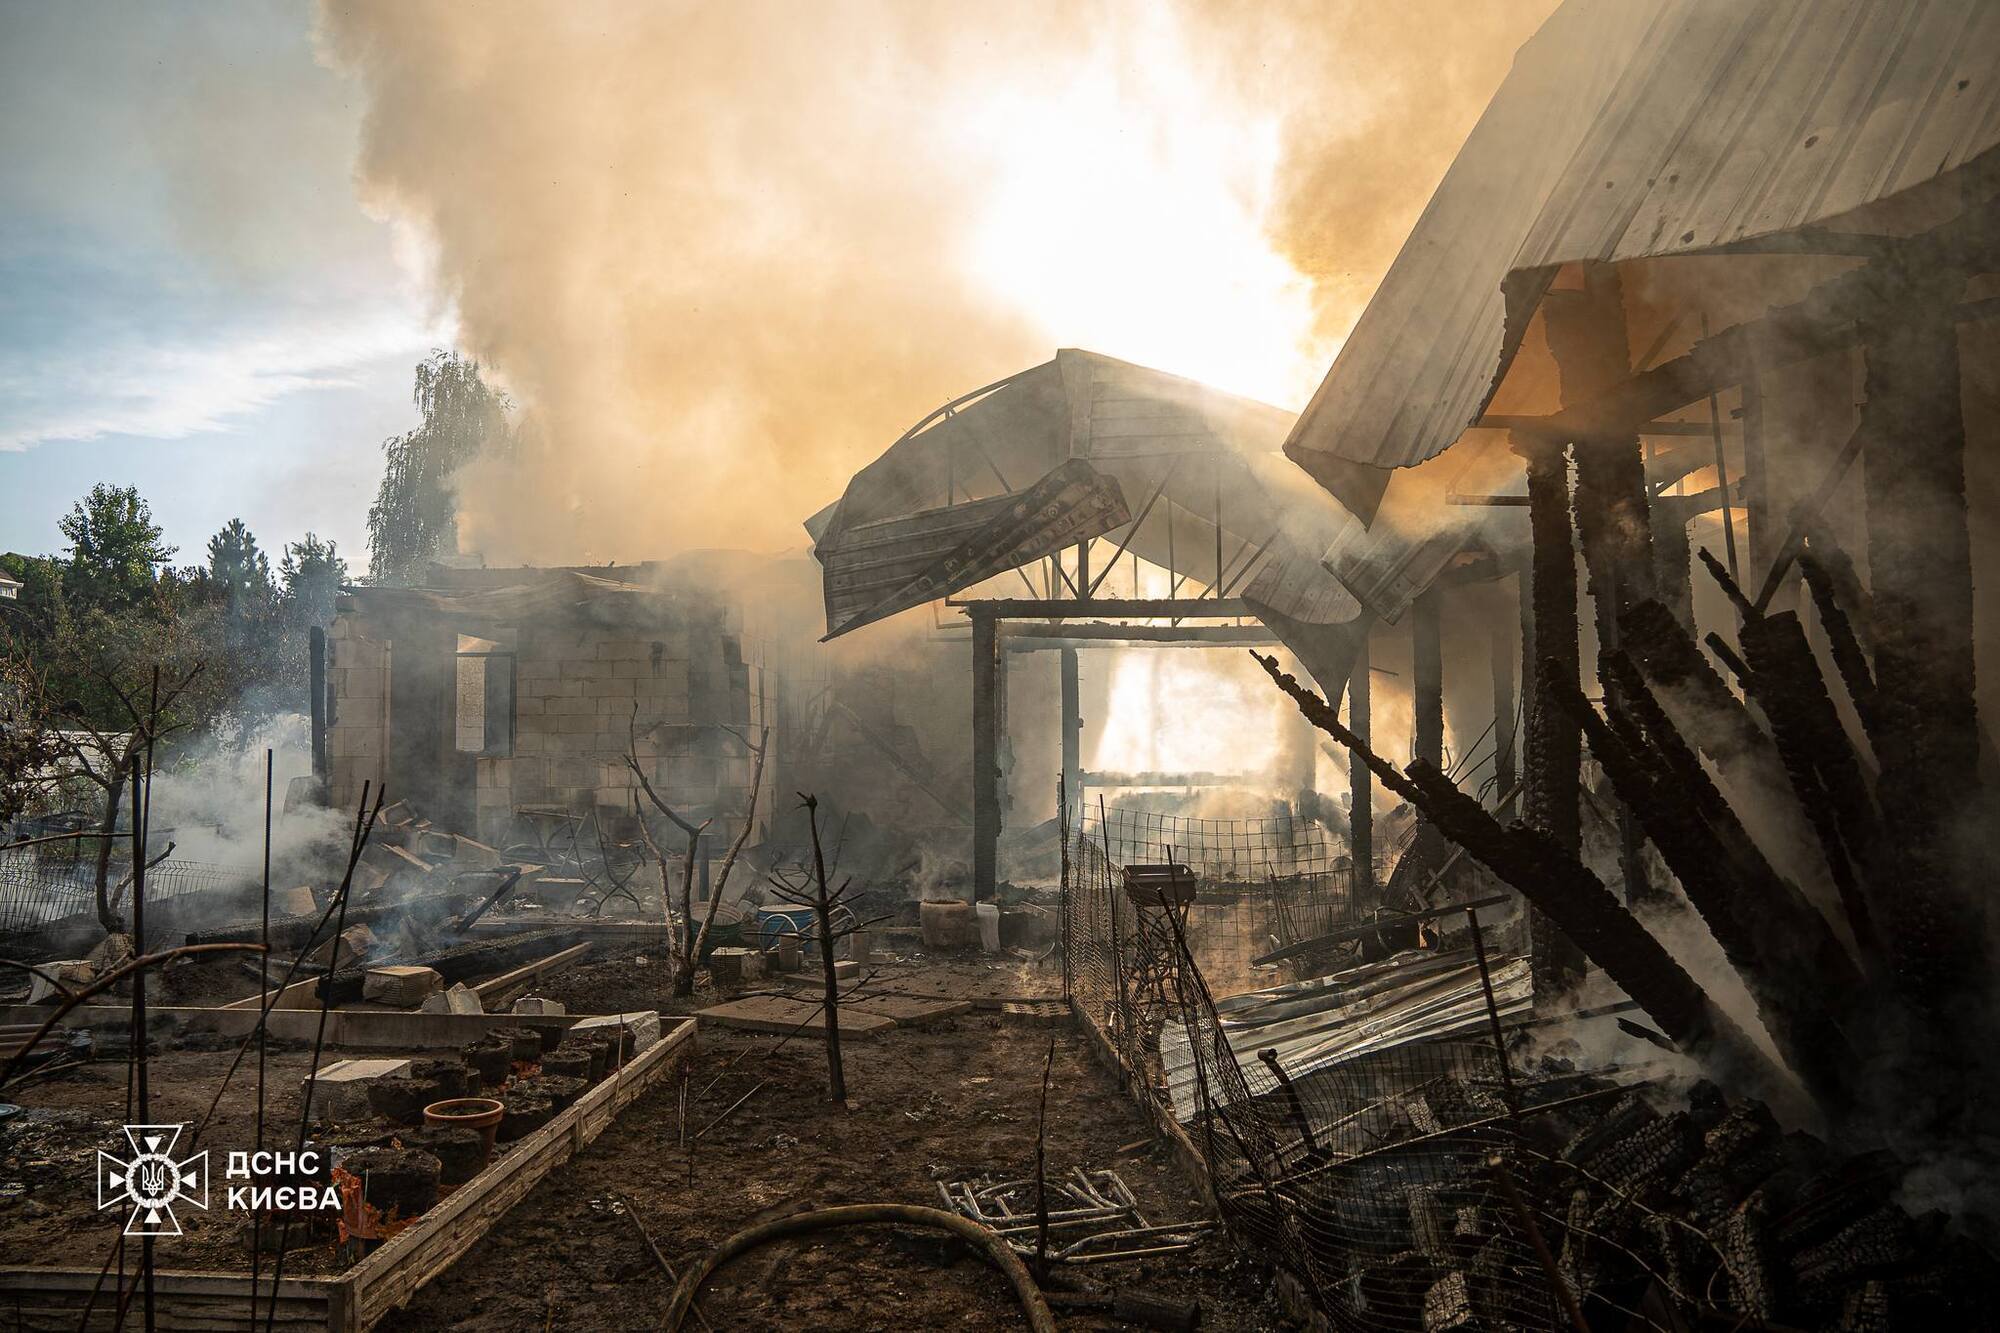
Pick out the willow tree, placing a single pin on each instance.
(415, 515)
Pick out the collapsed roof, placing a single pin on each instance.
(1078, 447)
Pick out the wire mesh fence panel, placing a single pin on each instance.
(1260, 884)
(1360, 1128)
(36, 890)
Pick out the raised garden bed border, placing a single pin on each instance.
(53, 1298)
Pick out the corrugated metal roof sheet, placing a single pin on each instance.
(1629, 130)
(1130, 423)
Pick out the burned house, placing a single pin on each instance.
(490, 694)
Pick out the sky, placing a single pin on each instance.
(718, 254)
(192, 301)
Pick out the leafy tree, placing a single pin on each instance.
(114, 545)
(313, 572)
(415, 514)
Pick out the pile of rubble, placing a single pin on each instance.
(1646, 1209)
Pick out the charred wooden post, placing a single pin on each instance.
(1500, 659)
(1587, 337)
(1673, 556)
(1552, 748)
(1360, 782)
(1427, 678)
(1920, 578)
(986, 686)
(1554, 880)
(1072, 729)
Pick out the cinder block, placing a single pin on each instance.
(340, 1090)
(400, 985)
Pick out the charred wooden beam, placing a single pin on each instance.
(1920, 578)
(1697, 698)
(1553, 879)
(1842, 641)
(1826, 775)
(1773, 937)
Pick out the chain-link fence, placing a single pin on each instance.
(38, 890)
(1258, 885)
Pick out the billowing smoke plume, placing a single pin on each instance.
(722, 254)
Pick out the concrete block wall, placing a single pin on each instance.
(357, 735)
(576, 689)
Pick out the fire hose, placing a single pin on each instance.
(991, 1246)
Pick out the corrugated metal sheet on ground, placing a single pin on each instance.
(1628, 130)
(1327, 1021)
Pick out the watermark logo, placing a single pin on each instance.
(151, 1182)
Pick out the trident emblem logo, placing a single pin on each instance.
(152, 1181)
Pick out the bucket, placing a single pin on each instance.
(948, 923)
(480, 1113)
(775, 923)
(989, 926)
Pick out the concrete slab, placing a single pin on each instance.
(908, 1008)
(782, 1014)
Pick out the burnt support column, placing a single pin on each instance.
(316, 687)
(1501, 657)
(1920, 581)
(1361, 782)
(1552, 747)
(986, 686)
(1587, 337)
(1072, 729)
(1427, 678)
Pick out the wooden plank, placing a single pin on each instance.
(53, 1299)
(394, 1273)
(779, 1014)
(555, 962)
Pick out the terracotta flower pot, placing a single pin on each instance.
(480, 1113)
